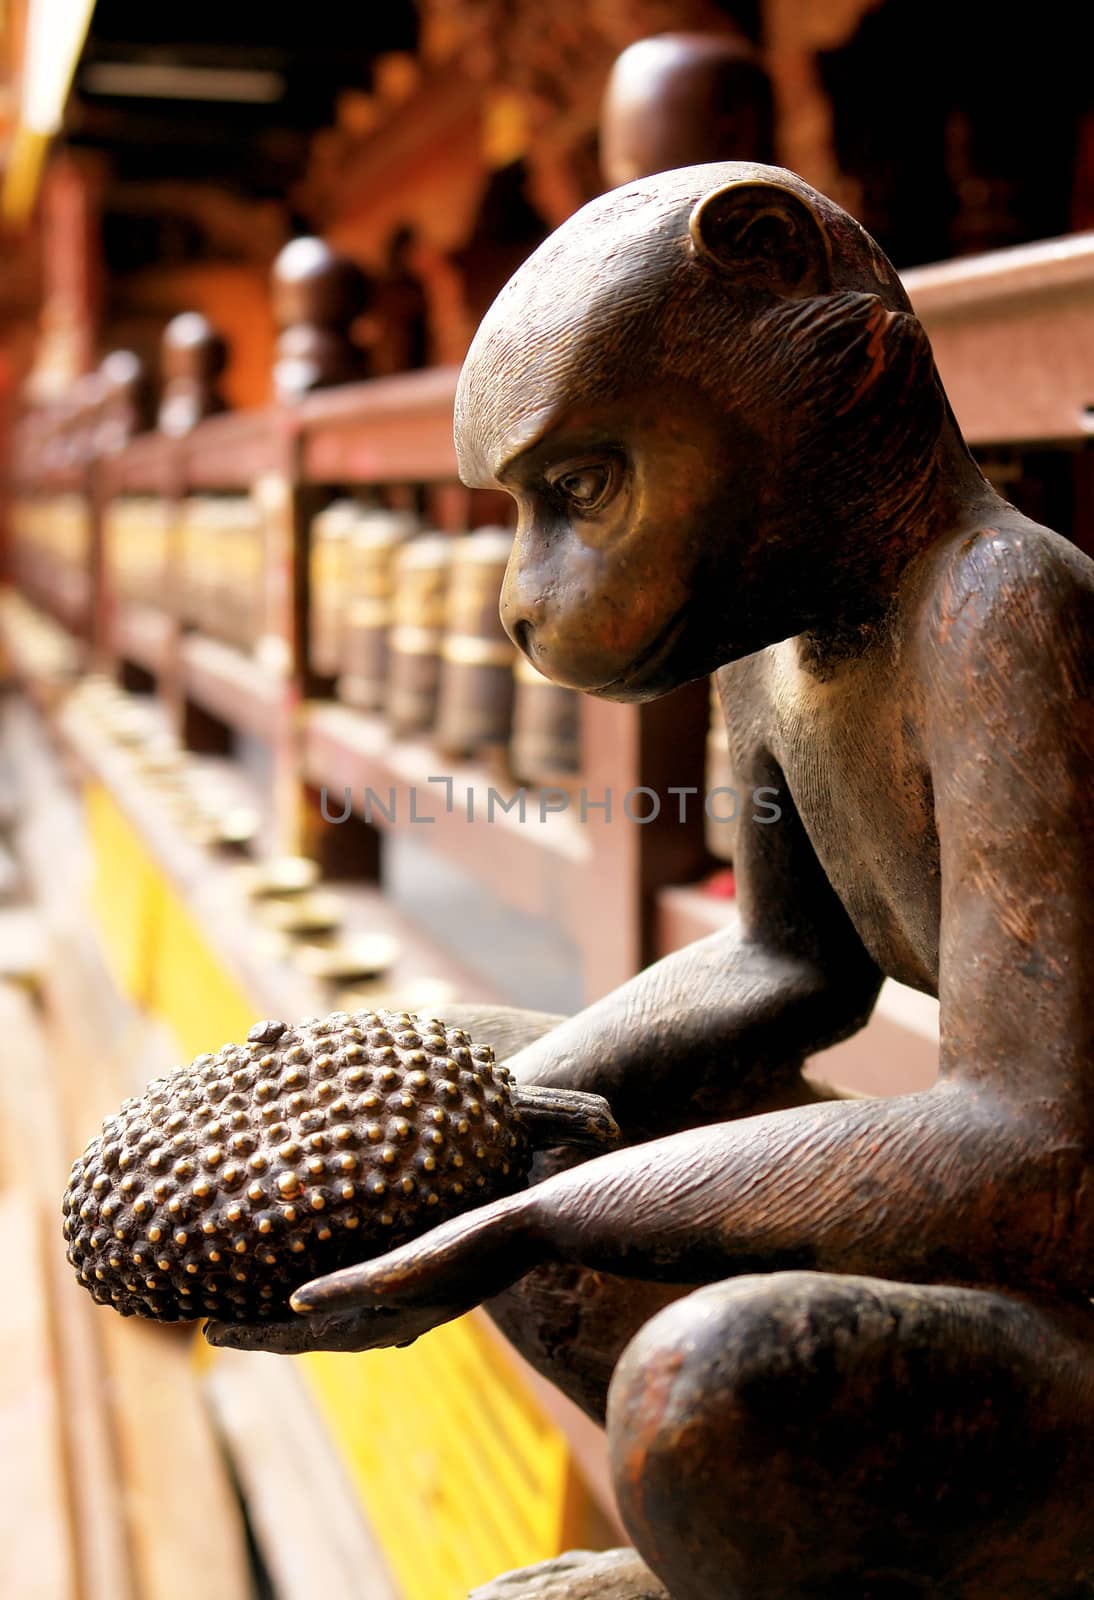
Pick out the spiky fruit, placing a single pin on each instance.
(232, 1181)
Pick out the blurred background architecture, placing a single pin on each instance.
(264, 748)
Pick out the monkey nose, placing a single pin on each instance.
(521, 610)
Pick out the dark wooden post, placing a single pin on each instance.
(194, 357)
(317, 295)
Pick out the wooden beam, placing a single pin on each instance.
(1013, 336)
(36, 1553)
(306, 1515)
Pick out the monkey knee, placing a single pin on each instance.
(829, 1426)
(735, 1367)
(731, 1402)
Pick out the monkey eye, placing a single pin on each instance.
(585, 486)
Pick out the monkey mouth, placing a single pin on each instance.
(647, 661)
(621, 687)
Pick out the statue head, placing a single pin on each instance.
(707, 393)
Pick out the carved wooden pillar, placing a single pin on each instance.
(72, 278)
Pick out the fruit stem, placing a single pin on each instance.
(564, 1116)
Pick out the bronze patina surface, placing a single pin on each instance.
(855, 1339)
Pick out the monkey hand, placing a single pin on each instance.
(370, 1328)
(392, 1300)
(590, 1214)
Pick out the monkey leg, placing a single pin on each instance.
(800, 1434)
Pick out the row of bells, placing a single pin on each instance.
(220, 585)
(402, 621)
(405, 622)
(50, 543)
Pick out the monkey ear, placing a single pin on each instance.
(765, 234)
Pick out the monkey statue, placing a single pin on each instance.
(844, 1346)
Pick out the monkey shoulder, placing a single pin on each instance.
(1006, 622)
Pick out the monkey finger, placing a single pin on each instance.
(462, 1262)
(346, 1331)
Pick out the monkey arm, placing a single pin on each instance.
(701, 1034)
(946, 1185)
(1010, 675)
(722, 1027)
